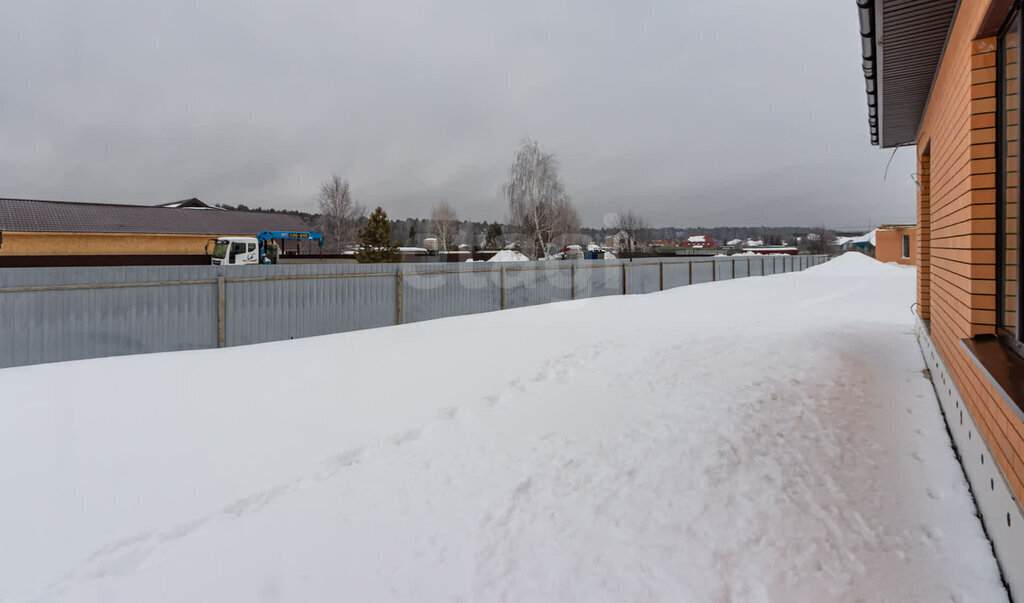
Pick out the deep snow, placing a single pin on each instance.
(765, 439)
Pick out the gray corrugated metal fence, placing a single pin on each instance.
(54, 314)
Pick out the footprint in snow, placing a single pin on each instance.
(345, 459)
(932, 533)
(406, 436)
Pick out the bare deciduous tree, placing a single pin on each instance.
(445, 224)
(339, 213)
(539, 208)
(818, 240)
(635, 227)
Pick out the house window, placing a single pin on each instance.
(906, 247)
(1008, 297)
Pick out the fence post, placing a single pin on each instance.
(399, 285)
(690, 265)
(661, 276)
(714, 270)
(504, 304)
(733, 267)
(574, 281)
(221, 313)
(623, 278)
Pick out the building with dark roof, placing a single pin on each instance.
(38, 233)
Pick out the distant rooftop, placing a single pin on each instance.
(192, 203)
(27, 215)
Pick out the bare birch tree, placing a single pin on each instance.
(539, 208)
(445, 224)
(339, 213)
(636, 229)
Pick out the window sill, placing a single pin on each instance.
(1003, 367)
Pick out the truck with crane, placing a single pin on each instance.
(261, 249)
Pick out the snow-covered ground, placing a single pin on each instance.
(765, 439)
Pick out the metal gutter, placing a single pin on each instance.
(866, 13)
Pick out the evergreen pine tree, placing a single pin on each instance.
(493, 239)
(375, 244)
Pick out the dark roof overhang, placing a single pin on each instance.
(902, 42)
(27, 215)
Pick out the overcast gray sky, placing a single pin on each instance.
(692, 112)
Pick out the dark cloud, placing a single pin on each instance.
(689, 112)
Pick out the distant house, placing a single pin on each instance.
(621, 240)
(702, 241)
(864, 243)
(896, 243)
(58, 233)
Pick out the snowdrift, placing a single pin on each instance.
(673, 446)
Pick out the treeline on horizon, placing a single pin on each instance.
(412, 231)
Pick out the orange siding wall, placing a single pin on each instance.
(924, 229)
(958, 133)
(889, 245)
(100, 243)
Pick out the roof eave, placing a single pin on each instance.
(918, 31)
